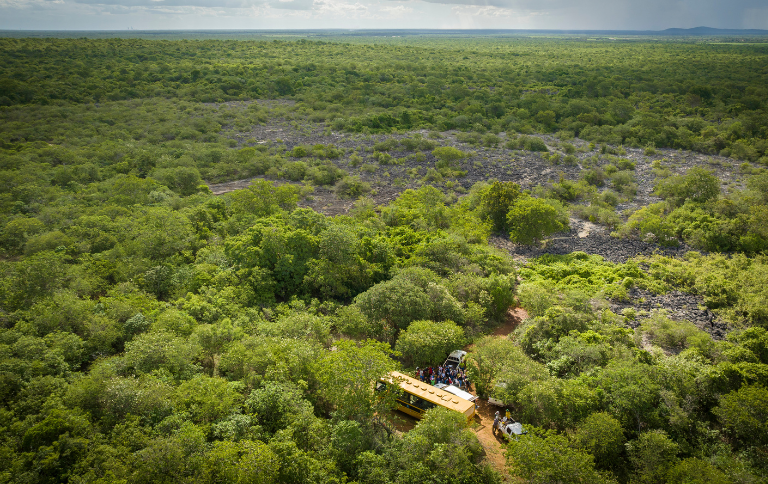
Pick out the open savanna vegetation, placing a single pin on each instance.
(211, 251)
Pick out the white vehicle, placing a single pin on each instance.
(456, 391)
(509, 428)
(495, 401)
(455, 358)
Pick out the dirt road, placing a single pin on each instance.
(483, 422)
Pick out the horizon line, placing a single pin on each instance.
(389, 30)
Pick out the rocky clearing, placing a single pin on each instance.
(528, 169)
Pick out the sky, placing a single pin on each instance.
(378, 14)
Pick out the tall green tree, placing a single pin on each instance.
(532, 219)
(429, 342)
(544, 457)
(348, 377)
(496, 201)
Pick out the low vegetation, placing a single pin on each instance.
(151, 331)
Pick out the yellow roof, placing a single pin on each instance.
(434, 395)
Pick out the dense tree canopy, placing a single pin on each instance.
(152, 331)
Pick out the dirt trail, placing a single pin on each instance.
(482, 424)
(483, 421)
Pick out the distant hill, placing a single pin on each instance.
(713, 31)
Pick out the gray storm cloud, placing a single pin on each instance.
(176, 3)
(218, 4)
(537, 14)
(633, 14)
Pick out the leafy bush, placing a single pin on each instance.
(624, 182)
(490, 140)
(300, 151)
(496, 201)
(530, 143)
(672, 335)
(544, 456)
(594, 176)
(325, 174)
(428, 342)
(531, 219)
(734, 287)
(182, 180)
(698, 185)
(745, 413)
(386, 145)
(649, 224)
(448, 154)
(417, 143)
(295, 171)
(352, 187)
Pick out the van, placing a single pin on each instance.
(455, 358)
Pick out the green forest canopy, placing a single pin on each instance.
(153, 332)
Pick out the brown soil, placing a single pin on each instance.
(515, 316)
(493, 444)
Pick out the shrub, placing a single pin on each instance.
(491, 140)
(325, 174)
(669, 334)
(398, 302)
(531, 143)
(594, 176)
(652, 455)
(625, 164)
(355, 160)
(182, 180)
(544, 456)
(385, 145)
(745, 413)
(352, 187)
(698, 185)
(429, 342)
(415, 143)
(531, 219)
(622, 180)
(650, 225)
(602, 436)
(448, 154)
(300, 151)
(295, 171)
(496, 201)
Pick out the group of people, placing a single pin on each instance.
(449, 375)
(498, 419)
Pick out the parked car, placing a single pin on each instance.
(455, 359)
(509, 428)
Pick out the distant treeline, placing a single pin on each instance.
(705, 97)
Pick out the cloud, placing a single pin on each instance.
(386, 14)
(483, 11)
(293, 4)
(341, 9)
(628, 14)
(396, 11)
(218, 4)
